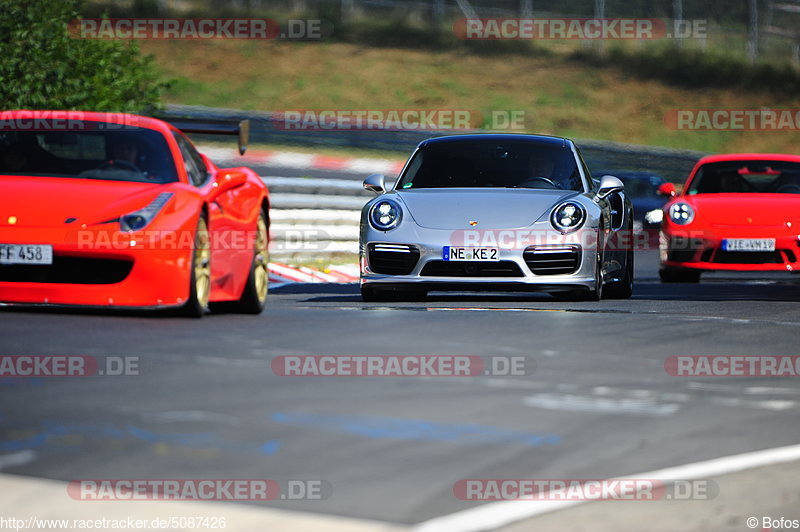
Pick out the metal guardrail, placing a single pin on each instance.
(672, 164)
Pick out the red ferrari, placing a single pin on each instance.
(736, 212)
(119, 210)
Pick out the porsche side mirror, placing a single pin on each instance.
(609, 185)
(667, 189)
(375, 183)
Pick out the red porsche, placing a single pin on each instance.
(120, 210)
(736, 212)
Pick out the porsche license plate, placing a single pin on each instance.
(748, 244)
(26, 254)
(471, 254)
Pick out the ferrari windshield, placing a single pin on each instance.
(88, 151)
(777, 177)
(481, 163)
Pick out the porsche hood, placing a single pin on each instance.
(502, 208)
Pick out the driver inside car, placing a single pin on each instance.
(541, 170)
(126, 151)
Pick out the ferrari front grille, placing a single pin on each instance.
(392, 259)
(73, 270)
(553, 261)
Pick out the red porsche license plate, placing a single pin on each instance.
(26, 254)
(748, 244)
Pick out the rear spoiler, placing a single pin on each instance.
(215, 127)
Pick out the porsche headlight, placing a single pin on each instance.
(138, 220)
(681, 213)
(385, 215)
(568, 217)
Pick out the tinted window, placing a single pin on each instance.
(493, 164)
(88, 151)
(747, 177)
(193, 162)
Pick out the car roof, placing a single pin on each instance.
(60, 119)
(498, 137)
(749, 156)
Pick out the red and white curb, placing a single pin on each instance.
(360, 165)
(280, 274)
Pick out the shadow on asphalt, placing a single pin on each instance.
(712, 290)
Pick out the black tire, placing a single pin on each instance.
(676, 275)
(200, 278)
(586, 294)
(622, 289)
(254, 295)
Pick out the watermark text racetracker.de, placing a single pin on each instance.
(30, 366)
(401, 366)
(174, 522)
(578, 28)
(576, 489)
(764, 119)
(398, 119)
(214, 489)
(199, 28)
(732, 366)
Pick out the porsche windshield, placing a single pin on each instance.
(513, 164)
(777, 177)
(88, 152)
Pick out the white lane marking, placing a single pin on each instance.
(17, 459)
(494, 515)
(291, 160)
(602, 405)
(776, 405)
(757, 390)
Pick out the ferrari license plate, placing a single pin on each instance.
(26, 254)
(476, 254)
(748, 244)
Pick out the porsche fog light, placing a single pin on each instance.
(568, 217)
(681, 213)
(385, 215)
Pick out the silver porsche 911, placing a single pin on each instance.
(496, 212)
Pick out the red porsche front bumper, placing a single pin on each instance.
(703, 250)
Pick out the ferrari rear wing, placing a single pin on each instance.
(215, 127)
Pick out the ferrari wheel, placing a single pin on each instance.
(623, 289)
(255, 291)
(200, 281)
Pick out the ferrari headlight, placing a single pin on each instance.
(681, 213)
(138, 220)
(568, 217)
(385, 215)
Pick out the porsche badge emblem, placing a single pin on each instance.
(12, 220)
(473, 223)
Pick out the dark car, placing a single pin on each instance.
(648, 192)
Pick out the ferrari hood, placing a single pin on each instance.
(746, 209)
(50, 202)
(500, 208)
